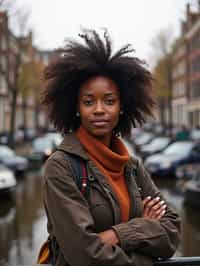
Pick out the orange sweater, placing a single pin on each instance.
(111, 163)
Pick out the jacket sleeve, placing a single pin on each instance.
(73, 226)
(155, 238)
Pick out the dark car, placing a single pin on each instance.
(8, 157)
(176, 154)
(156, 145)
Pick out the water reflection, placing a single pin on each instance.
(191, 232)
(7, 216)
(23, 223)
(20, 216)
(173, 191)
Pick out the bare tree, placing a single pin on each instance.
(162, 49)
(14, 64)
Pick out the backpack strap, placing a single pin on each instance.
(80, 172)
(135, 173)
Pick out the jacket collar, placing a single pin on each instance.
(71, 144)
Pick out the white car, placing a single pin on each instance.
(55, 137)
(7, 179)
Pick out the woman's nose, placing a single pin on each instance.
(99, 108)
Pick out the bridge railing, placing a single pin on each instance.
(179, 261)
(176, 261)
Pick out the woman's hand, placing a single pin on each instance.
(153, 208)
(109, 237)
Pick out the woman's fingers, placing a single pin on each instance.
(158, 213)
(153, 208)
(145, 204)
(149, 204)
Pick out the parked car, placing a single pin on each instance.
(176, 154)
(156, 145)
(7, 179)
(29, 134)
(18, 136)
(195, 134)
(142, 139)
(55, 137)
(4, 136)
(187, 171)
(192, 188)
(8, 157)
(42, 148)
(135, 132)
(158, 129)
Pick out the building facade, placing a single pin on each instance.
(186, 72)
(193, 39)
(28, 112)
(180, 84)
(4, 51)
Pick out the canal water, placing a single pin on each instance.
(23, 222)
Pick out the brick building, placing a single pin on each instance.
(180, 83)
(4, 50)
(9, 48)
(186, 71)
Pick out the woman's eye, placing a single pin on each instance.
(87, 102)
(109, 101)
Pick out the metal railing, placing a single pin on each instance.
(181, 261)
(176, 261)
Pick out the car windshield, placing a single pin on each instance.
(159, 143)
(6, 152)
(181, 147)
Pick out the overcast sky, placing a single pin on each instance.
(133, 21)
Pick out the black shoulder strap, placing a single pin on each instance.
(80, 172)
(136, 175)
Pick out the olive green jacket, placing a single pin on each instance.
(76, 221)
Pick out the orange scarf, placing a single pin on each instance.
(111, 163)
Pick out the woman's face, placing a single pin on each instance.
(99, 107)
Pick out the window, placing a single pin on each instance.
(3, 62)
(3, 43)
(3, 85)
(195, 89)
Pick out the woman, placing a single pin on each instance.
(93, 97)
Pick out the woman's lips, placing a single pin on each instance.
(100, 123)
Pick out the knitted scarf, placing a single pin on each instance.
(111, 162)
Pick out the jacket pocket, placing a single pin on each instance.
(100, 208)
